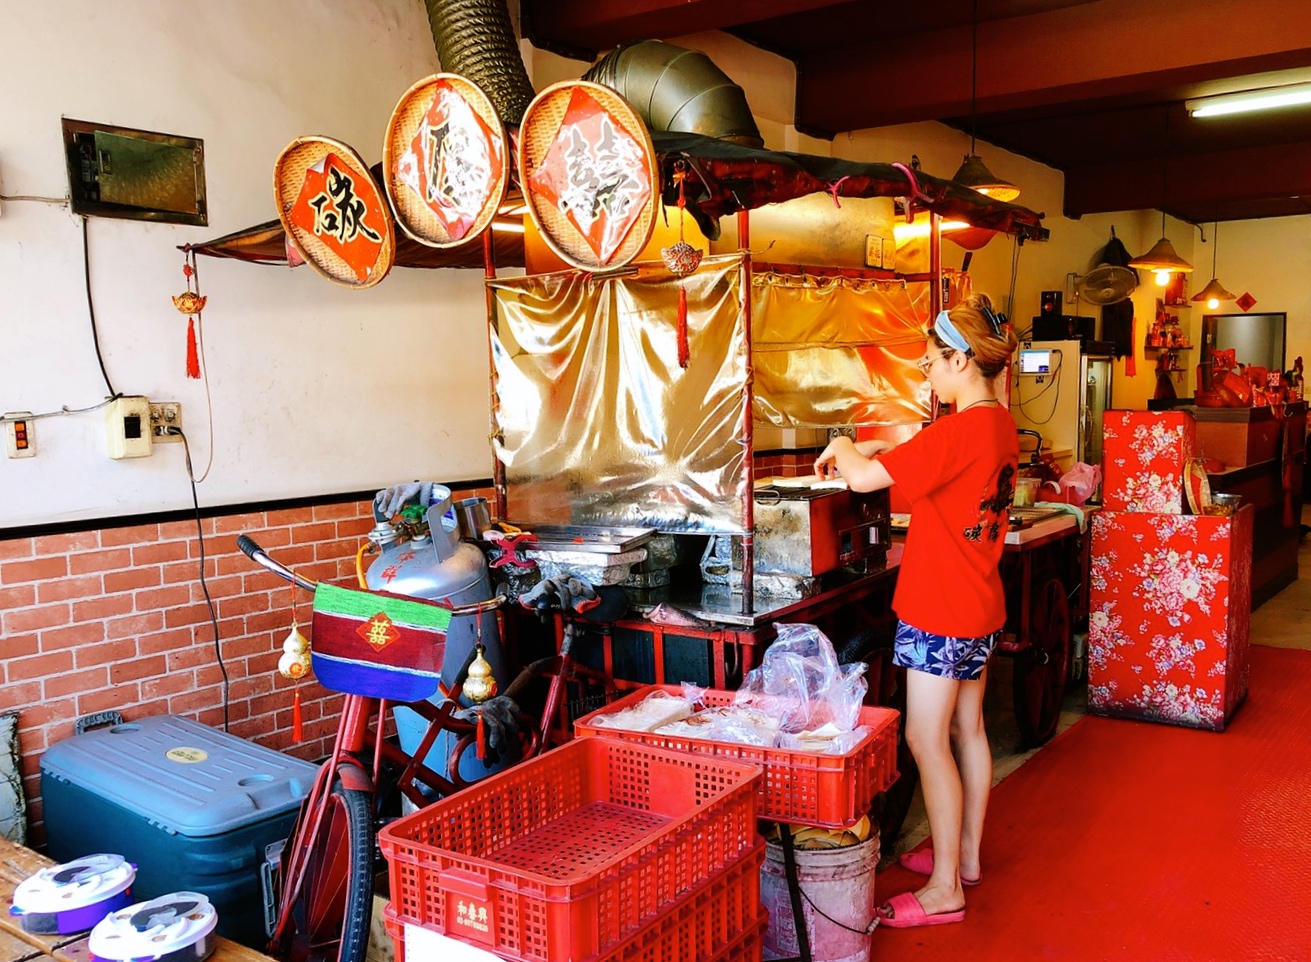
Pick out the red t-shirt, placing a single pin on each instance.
(958, 475)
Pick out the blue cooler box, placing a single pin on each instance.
(193, 807)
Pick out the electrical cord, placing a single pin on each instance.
(56, 414)
(91, 308)
(204, 587)
(1054, 382)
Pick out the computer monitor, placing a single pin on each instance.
(1034, 361)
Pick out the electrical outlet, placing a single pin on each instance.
(164, 416)
(19, 441)
(847, 431)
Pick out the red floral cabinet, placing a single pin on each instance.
(1169, 617)
(1145, 456)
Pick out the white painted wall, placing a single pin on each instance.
(315, 388)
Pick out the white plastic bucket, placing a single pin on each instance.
(835, 882)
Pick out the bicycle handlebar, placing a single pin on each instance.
(251, 549)
(255, 553)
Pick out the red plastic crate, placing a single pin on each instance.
(700, 925)
(568, 854)
(800, 788)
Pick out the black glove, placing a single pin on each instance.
(500, 717)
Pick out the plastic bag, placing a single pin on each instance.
(800, 682)
(730, 723)
(1077, 485)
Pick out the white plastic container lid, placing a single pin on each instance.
(82, 883)
(156, 929)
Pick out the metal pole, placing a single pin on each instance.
(748, 425)
(489, 274)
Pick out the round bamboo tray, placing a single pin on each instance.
(483, 167)
(545, 125)
(306, 156)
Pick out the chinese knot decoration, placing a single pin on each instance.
(681, 259)
(190, 302)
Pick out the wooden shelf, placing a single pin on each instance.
(1157, 347)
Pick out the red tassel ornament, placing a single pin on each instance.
(193, 354)
(1130, 364)
(190, 302)
(297, 722)
(482, 738)
(681, 259)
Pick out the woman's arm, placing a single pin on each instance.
(843, 458)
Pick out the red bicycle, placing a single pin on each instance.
(323, 880)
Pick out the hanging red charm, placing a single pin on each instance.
(190, 302)
(1130, 364)
(482, 738)
(681, 259)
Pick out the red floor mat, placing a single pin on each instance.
(1132, 841)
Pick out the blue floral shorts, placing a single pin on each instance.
(960, 658)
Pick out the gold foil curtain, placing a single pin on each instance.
(598, 424)
(832, 351)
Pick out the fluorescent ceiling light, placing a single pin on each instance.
(921, 228)
(1289, 96)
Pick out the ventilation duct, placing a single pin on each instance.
(475, 39)
(678, 90)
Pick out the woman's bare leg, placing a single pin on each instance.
(974, 762)
(930, 710)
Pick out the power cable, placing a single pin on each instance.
(204, 587)
(91, 308)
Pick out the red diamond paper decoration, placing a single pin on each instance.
(340, 207)
(378, 631)
(454, 161)
(1246, 301)
(595, 174)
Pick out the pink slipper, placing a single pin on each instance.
(904, 911)
(921, 863)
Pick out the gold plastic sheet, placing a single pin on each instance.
(832, 351)
(597, 422)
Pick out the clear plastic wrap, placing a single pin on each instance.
(742, 726)
(800, 682)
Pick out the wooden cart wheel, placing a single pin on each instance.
(1042, 667)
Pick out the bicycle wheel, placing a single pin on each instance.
(329, 920)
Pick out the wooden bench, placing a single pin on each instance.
(18, 863)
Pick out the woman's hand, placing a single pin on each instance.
(826, 465)
(843, 458)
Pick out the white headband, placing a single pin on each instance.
(948, 334)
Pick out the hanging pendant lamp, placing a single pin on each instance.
(1214, 292)
(974, 173)
(1162, 259)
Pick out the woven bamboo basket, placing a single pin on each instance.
(289, 171)
(542, 124)
(413, 213)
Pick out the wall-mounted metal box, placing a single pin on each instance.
(135, 174)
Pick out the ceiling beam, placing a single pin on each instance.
(1073, 53)
(591, 26)
(1191, 185)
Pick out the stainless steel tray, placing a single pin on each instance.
(602, 539)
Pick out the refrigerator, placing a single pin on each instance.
(1061, 389)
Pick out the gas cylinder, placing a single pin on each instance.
(439, 566)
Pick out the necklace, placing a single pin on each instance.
(974, 404)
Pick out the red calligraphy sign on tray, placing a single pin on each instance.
(595, 173)
(454, 162)
(342, 207)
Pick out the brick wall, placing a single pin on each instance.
(116, 619)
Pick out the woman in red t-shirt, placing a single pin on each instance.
(958, 474)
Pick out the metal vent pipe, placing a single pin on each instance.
(678, 90)
(475, 39)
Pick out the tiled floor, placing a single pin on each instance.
(1282, 622)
